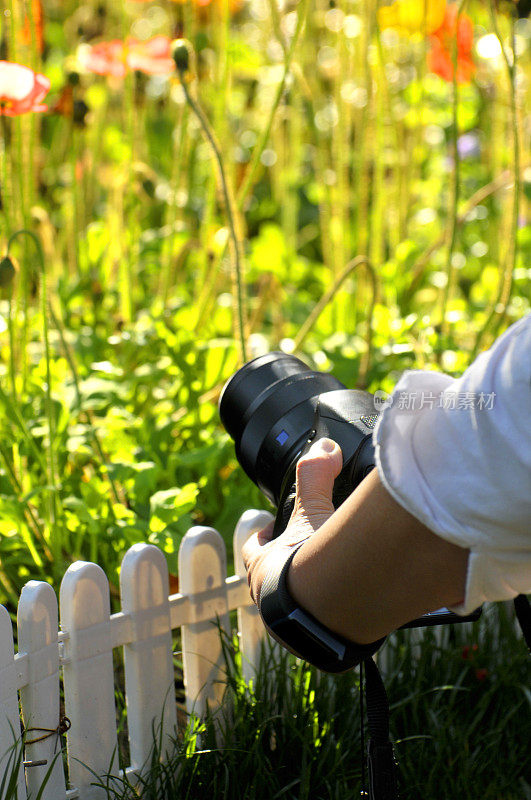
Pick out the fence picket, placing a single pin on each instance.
(149, 676)
(39, 698)
(203, 569)
(250, 627)
(88, 677)
(9, 715)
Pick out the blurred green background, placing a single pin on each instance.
(381, 213)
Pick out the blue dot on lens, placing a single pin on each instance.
(282, 437)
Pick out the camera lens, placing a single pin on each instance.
(268, 408)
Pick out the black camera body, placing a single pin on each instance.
(274, 407)
(347, 416)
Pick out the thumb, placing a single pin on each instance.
(316, 473)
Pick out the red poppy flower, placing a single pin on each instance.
(21, 89)
(441, 56)
(115, 58)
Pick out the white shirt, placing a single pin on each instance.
(457, 455)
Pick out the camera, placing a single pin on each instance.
(274, 407)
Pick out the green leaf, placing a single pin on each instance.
(167, 506)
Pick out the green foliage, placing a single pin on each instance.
(109, 380)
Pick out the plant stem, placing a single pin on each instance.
(266, 131)
(18, 491)
(477, 198)
(71, 363)
(454, 199)
(499, 306)
(74, 211)
(6, 188)
(172, 218)
(330, 294)
(52, 495)
(16, 417)
(230, 210)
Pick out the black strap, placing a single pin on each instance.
(380, 754)
(523, 615)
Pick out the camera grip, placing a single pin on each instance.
(285, 510)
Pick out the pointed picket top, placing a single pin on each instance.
(10, 735)
(149, 674)
(40, 701)
(252, 631)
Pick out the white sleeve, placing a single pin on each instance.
(457, 455)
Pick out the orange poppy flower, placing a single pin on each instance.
(38, 21)
(116, 58)
(21, 89)
(441, 56)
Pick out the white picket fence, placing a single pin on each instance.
(82, 650)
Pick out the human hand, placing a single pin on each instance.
(315, 476)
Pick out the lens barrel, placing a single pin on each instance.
(268, 409)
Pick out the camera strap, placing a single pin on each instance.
(380, 754)
(382, 766)
(523, 615)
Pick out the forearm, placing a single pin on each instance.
(372, 566)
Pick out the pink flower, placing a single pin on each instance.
(115, 58)
(106, 58)
(153, 56)
(21, 89)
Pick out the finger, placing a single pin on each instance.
(316, 473)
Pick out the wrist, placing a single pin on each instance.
(300, 632)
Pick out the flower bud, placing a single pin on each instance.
(183, 55)
(7, 272)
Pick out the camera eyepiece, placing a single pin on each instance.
(268, 408)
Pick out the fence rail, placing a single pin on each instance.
(80, 654)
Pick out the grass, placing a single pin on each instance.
(460, 722)
(459, 718)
